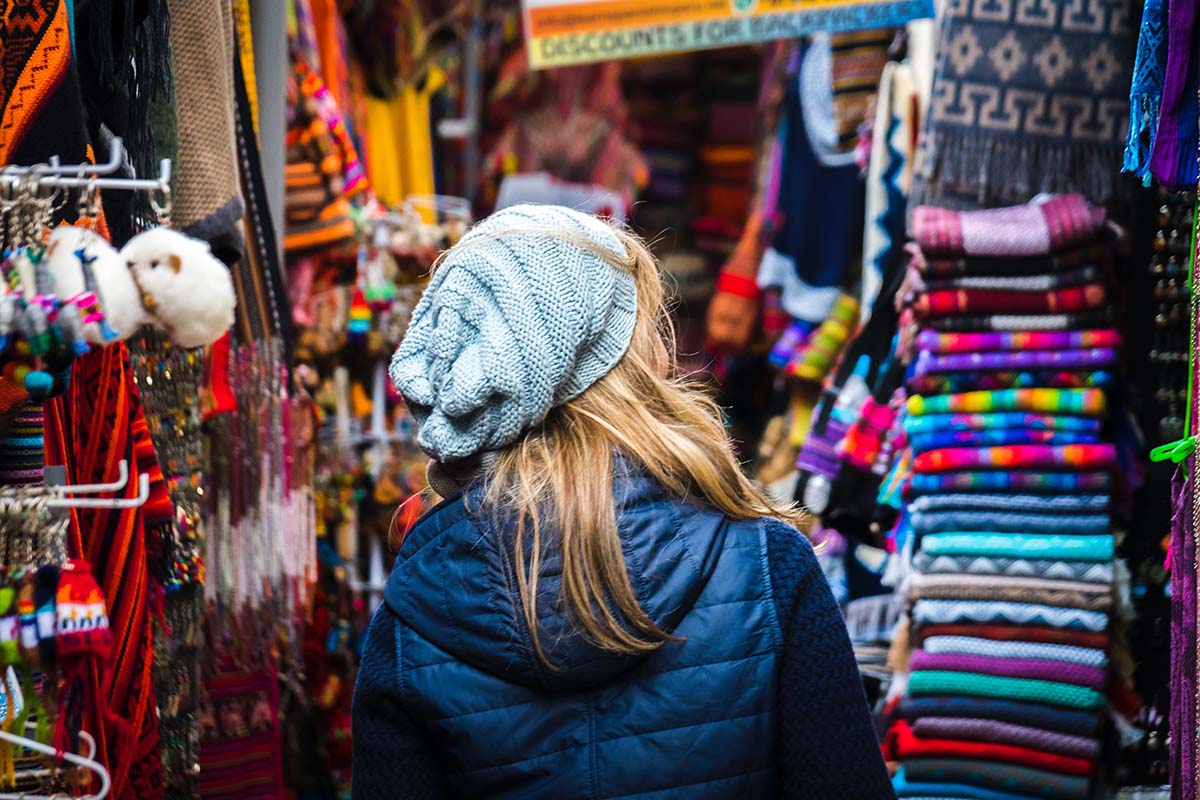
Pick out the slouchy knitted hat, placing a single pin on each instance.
(521, 316)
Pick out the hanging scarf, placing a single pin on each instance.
(1173, 159)
(98, 422)
(1027, 101)
(1145, 95)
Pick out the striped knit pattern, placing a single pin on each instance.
(1009, 500)
(21, 459)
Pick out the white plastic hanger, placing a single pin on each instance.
(96, 488)
(97, 502)
(87, 762)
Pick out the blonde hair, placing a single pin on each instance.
(559, 476)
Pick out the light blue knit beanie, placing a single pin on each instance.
(516, 320)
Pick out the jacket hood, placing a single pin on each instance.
(454, 583)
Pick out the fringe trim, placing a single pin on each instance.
(997, 170)
(1143, 125)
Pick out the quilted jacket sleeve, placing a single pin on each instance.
(827, 747)
(393, 756)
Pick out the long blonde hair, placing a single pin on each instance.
(559, 476)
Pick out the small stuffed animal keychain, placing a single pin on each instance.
(185, 291)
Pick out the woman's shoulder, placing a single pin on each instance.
(792, 563)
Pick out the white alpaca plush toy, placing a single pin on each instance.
(66, 251)
(185, 290)
(160, 278)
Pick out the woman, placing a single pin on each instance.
(603, 606)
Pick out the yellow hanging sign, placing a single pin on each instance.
(563, 32)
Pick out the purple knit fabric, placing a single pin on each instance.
(1164, 161)
(988, 730)
(1089, 358)
(1075, 674)
(1183, 642)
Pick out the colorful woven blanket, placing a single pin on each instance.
(929, 423)
(1033, 229)
(985, 612)
(1074, 674)
(1042, 282)
(1035, 715)
(956, 383)
(1089, 571)
(1095, 318)
(1017, 341)
(1089, 402)
(1020, 545)
(1001, 589)
(1007, 777)
(1079, 358)
(947, 520)
(938, 267)
(921, 790)
(1004, 480)
(1017, 633)
(989, 730)
(978, 646)
(989, 301)
(925, 682)
(1013, 502)
(1017, 456)
(924, 442)
(903, 744)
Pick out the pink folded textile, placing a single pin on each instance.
(1032, 229)
(938, 342)
(1017, 456)
(990, 730)
(1058, 671)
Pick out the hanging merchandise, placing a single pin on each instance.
(1070, 65)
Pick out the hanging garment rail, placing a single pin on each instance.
(85, 176)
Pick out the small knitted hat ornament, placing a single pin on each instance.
(521, 316)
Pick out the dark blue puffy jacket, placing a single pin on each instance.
(452, 701)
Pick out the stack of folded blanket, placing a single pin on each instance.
(1008, 504)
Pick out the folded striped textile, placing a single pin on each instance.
(1000, 593)
(996, 361)
(1043, 282)
(923, 443)
(1095, 318)
(940, 790)
(1015, 633)
(1017, 456)
(1017, 341)
(957, 382)
(935, 267)
(989, 730)
(973, 684)
(930, 423)
(999, 480)
(903, 744)
(1073, 722)
(988, 586)
(1020, 545)
(1002, 612)
(1063, 504)
(1074, 674)
(1062, 222)
(977, 646)
(1045, 569)
(947, 520)
(952, 302)
(1085, 402)
(1010, 777)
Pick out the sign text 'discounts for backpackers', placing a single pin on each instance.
(563, 32)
